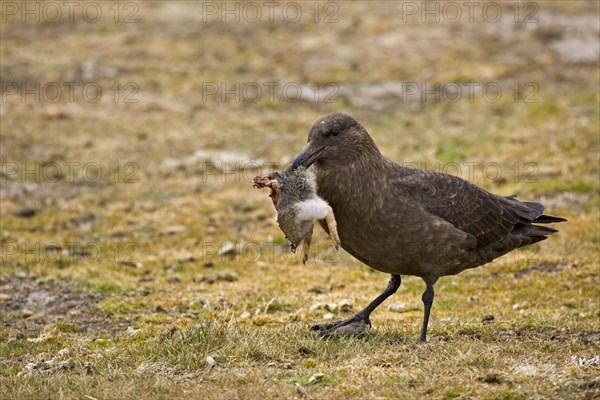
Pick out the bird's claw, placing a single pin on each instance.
(354, 326)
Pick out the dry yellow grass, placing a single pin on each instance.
(126, 274)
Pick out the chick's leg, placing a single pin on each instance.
(332, 226)
(306, 244)
(305, 250)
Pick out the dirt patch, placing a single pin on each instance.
(527, 333)
(547, 267)
(29, 304)
(17, 196)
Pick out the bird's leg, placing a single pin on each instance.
(356, 324)
(428, 302)
(305, 249)
(332, 226)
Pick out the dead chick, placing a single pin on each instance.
(294, 194)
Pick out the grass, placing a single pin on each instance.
(125, 271)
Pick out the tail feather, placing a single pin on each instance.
(526, 210)
(536, 208)
(527, 229)
(526, 232)
(533, 212)
(548, 219)
(533, 230)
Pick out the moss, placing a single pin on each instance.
(452, 393)
(105, 288)
(511, 395)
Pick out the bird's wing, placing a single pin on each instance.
(294, 229)
(487, 217)
(286, 221)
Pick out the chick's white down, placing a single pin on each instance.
(311, 209)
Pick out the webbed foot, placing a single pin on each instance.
(354, 326)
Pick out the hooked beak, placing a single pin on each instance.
(307, 156)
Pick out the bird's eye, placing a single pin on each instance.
(331, 132)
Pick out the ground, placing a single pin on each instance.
(139, 262)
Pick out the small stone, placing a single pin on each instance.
(487, 319)
(315, 378)
(131, 331)
(328, 316)
(64, 352)
(209, 279)
(208, 264)
(227, 276)
(345, 305)
(228, 248)
(210, 362)
(331, 307)
(316, 306)
(245, 315)
(300, 390)
(319, 289)
(171, 230)
(397, 307)
(174, 279)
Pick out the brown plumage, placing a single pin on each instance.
(407, 221)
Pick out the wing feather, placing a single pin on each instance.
(487, 217)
